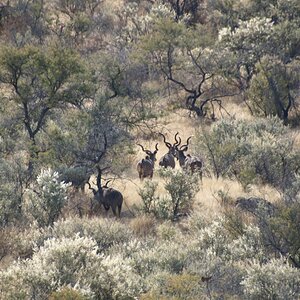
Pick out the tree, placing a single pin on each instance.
(80, 24)
(41, 80)
(274, 88)
(23, 20)
(263, 48)
(184, 58)
(187, 7)
(244, 46)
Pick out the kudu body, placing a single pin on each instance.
(168, 160)
(189, 162)
(145, 166)
(108, 197)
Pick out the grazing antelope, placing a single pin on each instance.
(168, 160)
(145, 166)
(109, 197)
(189, 162)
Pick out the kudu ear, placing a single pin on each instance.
(184, 149)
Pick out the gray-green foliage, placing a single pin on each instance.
(73, 262)
(147, 194)
(257, 60)
(101, 259)
(258, 151)
(275, 279)
(44, 202)
(274, 88)
(181, 188)
(12, 185)
(281, 232)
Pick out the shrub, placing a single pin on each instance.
(105, 232)
(281, 232)
(152, 256)
(67, 293)
(176, 287)
(147, 194)
(143, 225)
(259, 151)
(45, 203)
(72, 262)
(248, 245)
(181, 188)
(167, 231)
(273, 280)
(12, 182)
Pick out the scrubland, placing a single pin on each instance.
(86, 87)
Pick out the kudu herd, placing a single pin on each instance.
(187, 162)
(112, 198)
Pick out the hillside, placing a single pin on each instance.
(149, 149)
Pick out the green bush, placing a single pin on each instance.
(273, 280)
(12, 182)
(181, 188)
(273, 90)
(147, 194)
(67, 293)
(281, 232)
(259, 151)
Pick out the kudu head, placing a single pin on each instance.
(172, 148)
(180, 155)
(150, 155)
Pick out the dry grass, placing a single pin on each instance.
(208, 202)
(143, 225)
(238, 111)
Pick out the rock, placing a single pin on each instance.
(255, 205)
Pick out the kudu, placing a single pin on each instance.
(108, 197)
(189, 162)
(168, 160)
(145, 166)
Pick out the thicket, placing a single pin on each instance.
(261, 151)
(71, 258)
(81, 81)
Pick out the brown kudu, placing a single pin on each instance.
(145, 166)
